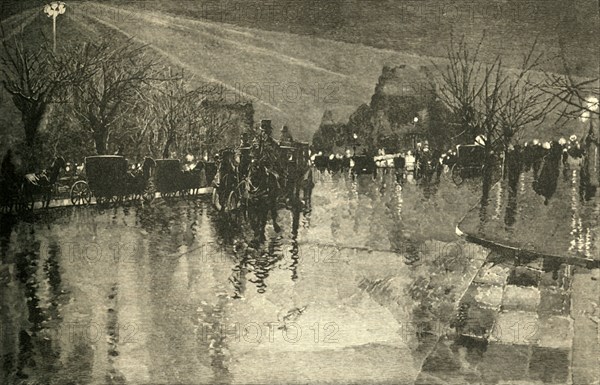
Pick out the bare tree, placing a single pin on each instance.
(103, 100)
(216, 121)
(31, 78)
(173, 113)
(173, 116)
(522, 103)
(571, 96)
(489, 99)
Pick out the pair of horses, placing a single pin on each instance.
(255, 191)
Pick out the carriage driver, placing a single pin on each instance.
(243, 153)
(245, 139)
(286, 136)
(264, 147)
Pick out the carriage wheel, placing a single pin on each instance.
(457, 174)
(80, 193)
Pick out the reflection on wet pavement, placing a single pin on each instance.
(360, 288)
(521, 321)
(567, 226)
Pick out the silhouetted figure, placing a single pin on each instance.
(320, 161)
(526, 157)
(286, 137)
(587, 190)
(545, 185)
(513, 165)
(536, 157)
(8, 167)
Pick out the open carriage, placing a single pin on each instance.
(108, 179)
(469, 163)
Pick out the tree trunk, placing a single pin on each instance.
(166, 153)
(32, 118)
(101, 141)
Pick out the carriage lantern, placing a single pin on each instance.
(53, 10)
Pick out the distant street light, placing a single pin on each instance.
(414, 133)
(591, 104)
(53, 10)
(354, 144)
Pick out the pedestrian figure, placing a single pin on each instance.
(537, 155)
(8, 167)
(545, 185)
(513, 165)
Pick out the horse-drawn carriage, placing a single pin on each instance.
(241, 178)
(108, 179)
(72, 174)
(469, 162)
(170, 179)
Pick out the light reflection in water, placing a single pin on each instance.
(499, 196)
(399, 201)
(581, 233)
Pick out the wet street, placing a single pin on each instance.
(171, 293)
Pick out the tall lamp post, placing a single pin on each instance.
(53, 10)
(354, 144)
(415, 121)
(592, 138)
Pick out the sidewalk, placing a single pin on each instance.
(65, 202)
(567, 228)
(522, 322)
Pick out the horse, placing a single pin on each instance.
(41, 184)
(226, 183)
(261, 191)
